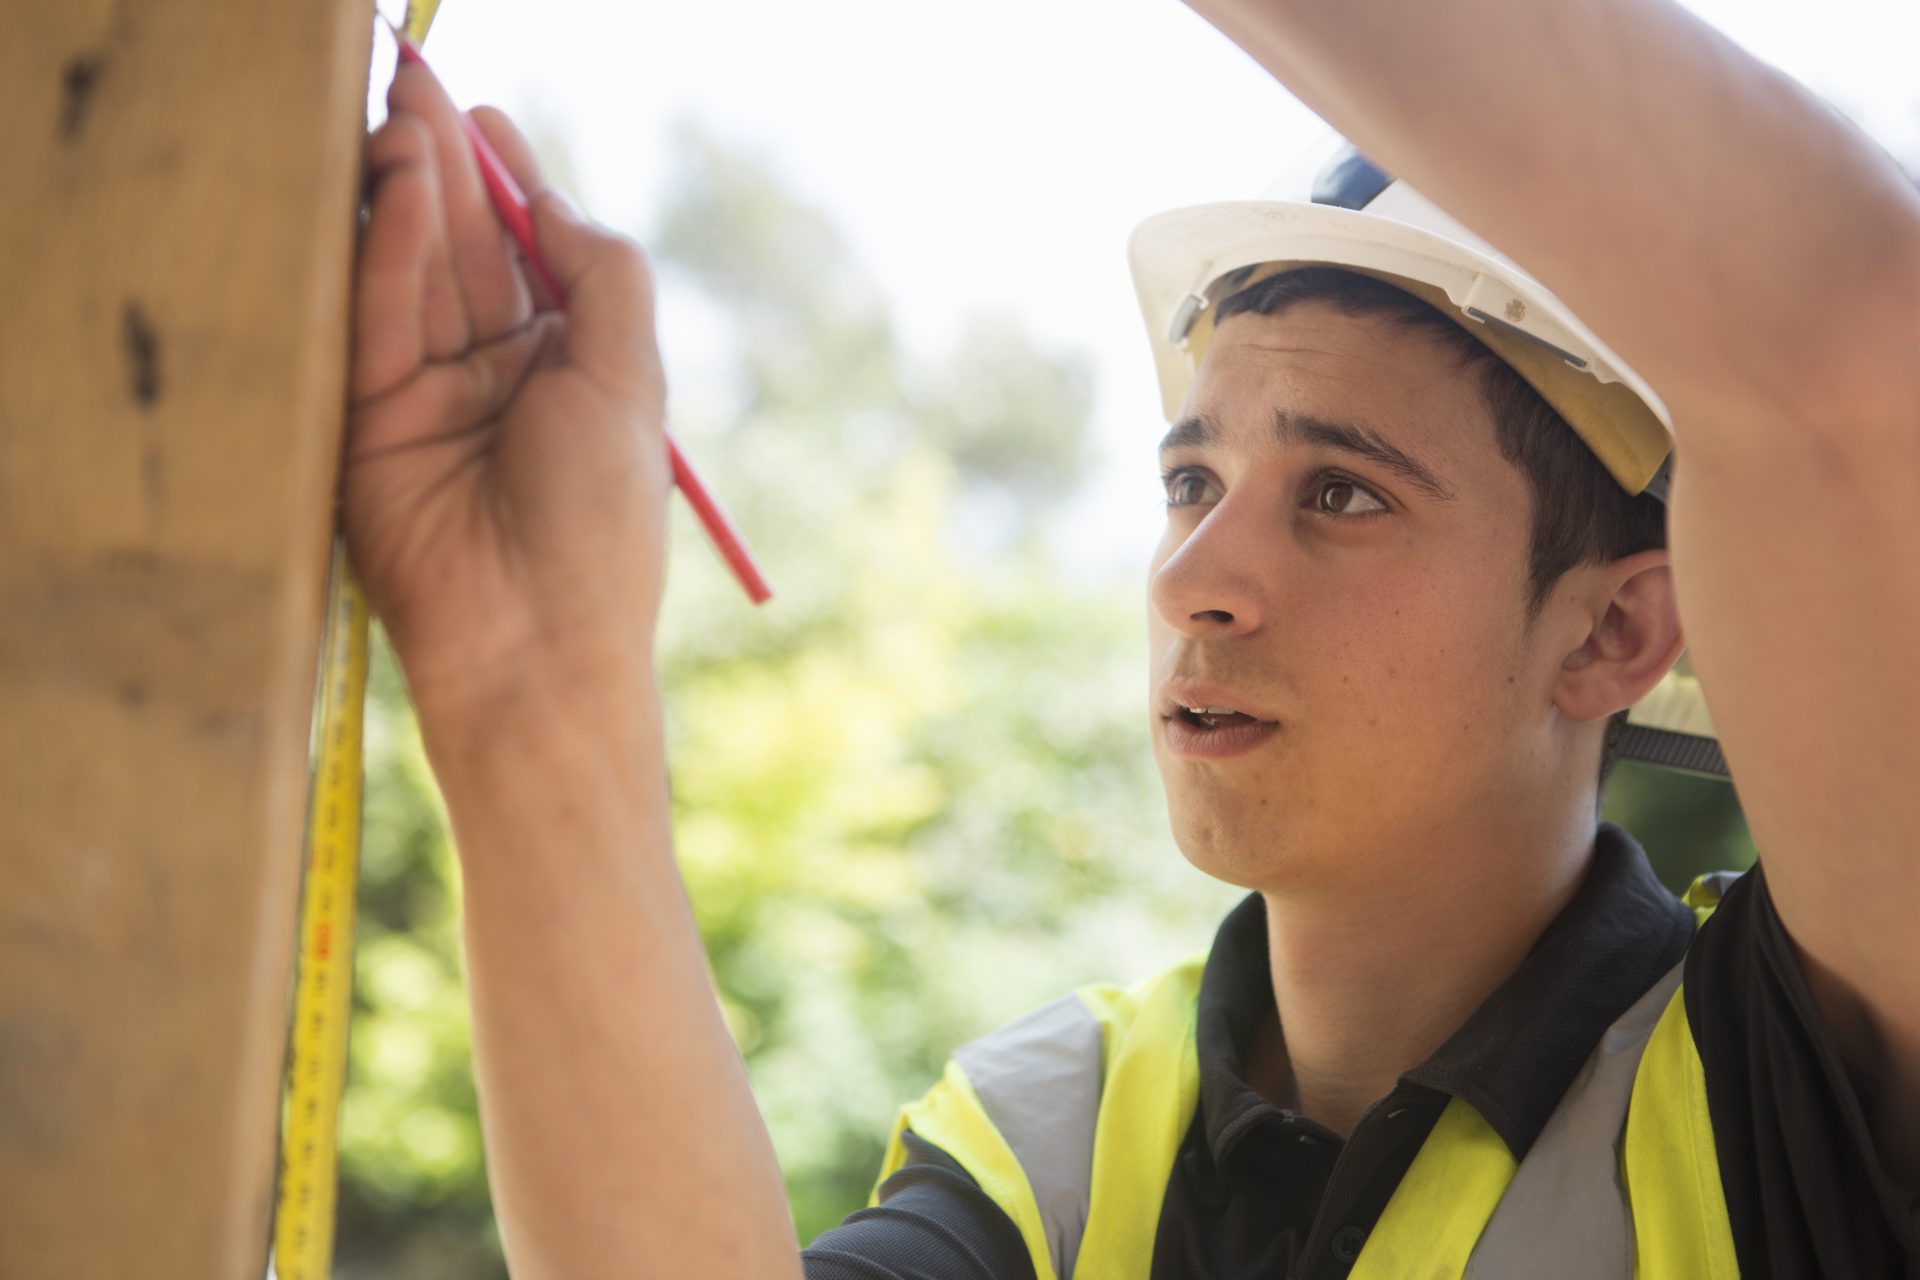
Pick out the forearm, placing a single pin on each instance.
(1717, 225)
(622, 1138)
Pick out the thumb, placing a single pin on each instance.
(609, 284)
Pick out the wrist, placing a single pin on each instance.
(533, 691)
(552, 740)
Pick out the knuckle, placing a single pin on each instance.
(412, 128)
(630, 258)
(402, 139)
(628, 263)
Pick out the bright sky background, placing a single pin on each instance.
(994, 155)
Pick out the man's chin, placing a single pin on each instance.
(1231, 853)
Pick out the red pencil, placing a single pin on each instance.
(510, 204)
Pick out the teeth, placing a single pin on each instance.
(1212, 711)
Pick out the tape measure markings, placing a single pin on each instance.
(303, 1228)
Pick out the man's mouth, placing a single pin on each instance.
(1214, 717)
(1214, 731)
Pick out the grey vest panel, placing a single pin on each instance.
(1565, 1213)
(1039, 1080)
(1718, 882)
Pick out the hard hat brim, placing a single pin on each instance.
(1178, 259)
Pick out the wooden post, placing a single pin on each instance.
(177, 210)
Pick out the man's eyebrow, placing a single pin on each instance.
(1196, 430)
(1351, 437)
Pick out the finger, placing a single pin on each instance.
(516, 153)
(512, 147)
(406, 305)
(610, 329)
(495, 295)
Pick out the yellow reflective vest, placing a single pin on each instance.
(1071, 1119)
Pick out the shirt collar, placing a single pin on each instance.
(1516, 1054)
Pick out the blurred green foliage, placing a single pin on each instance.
(913, 798)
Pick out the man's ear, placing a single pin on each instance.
(1633, 639)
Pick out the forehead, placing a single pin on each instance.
(1403, 385)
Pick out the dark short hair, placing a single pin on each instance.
(1580, 513)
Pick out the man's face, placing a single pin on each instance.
(1368, 609)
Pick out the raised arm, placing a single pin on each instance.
(1723, 229)
(1758, 261)
(505, 504)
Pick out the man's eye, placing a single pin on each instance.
(1185, 488)
(1338, 496)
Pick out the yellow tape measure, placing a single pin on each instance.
(303, 1225)
(316, 1059)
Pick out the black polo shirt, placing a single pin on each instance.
(1258, 1191)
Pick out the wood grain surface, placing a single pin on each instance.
(176, 222)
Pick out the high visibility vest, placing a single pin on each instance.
(1072, 1117)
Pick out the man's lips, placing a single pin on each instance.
(1198, 741)
(1177, 695)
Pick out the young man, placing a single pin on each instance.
(1413, 1052)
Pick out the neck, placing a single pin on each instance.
(1367, 985)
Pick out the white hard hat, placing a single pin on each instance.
(1334, 208)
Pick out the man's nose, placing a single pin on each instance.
(1213, 584)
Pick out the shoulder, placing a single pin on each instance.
(1806, 1190)
(929, 1216)
(1172, 992)
(999, 1148)
(1047, 1066)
